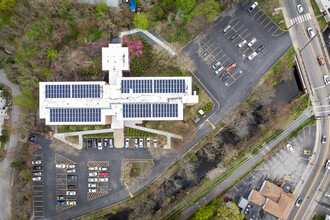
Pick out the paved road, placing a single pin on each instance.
(5, 170)
(308, 49)
(210, 196)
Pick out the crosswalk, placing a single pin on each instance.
(301, 18)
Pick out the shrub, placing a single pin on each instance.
(101, 8)
(16, 164)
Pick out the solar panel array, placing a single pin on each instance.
(138, 86)
(154, 86)
(170, 86)
(86, 91)
(150, 110)
(136, 110)
(164, 110)
(75, 115)
(58, 91)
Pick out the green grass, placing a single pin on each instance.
(304, 103)
(74, 128)
(315, 8)
(103, 135)
(322, 22)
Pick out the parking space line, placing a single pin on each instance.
(224, 62)
(235, 25)
(260, 16)
(304, 132)
(245, 2)
(264, 20)
(239, 28)
(257, 13)
(268, 23)
(221, 57)
(243, 181)
(202, 46)
(246, 36)
(235, 188)
(271, 28)
(249, 6)
(211, 124)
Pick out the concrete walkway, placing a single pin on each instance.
(6, 177)
(244, 168)
(151, 36)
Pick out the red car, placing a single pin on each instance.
(103, 173)
(231, 66)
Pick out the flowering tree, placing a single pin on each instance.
(134, 47)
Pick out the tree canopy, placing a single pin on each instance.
(6, 6)
(101, 8)
(141, 21)
(186, 5)
(209, 8)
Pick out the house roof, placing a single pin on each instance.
(256, 198)
(271, 191)
(280, 209)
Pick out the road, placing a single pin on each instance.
(5, 170)
(243, 169)
(308, 50)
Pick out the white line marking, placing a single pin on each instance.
(309, 16)
(318, 88)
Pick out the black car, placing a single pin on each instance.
(60, 197)
(259, 49)
(225, 78)
(222, 74)
(105, 142)
(72, 187)
(233, 37)
(72, 177)
(89, 142)
(37, 167)
(95, 143)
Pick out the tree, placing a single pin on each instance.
(52, 54)
(186, 5)
(141, 21)
(6, 6)
(101, 8)
(209, 8)
(26, 99)
(16, 164)
(204, 213)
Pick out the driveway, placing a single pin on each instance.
(10, 147)
(213, 45)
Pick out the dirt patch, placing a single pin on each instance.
(60, 146)
(134, 170)
(72, 139)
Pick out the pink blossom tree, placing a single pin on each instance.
(134, 46)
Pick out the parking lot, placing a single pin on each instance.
(242, 46)
(129, 142)
(282, 166)
(38, 185)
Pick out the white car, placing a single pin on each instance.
(92, 190)
(71, 193)
(37, 173)
(300, 9)
(242, 43)
(252, 42)
(326, 79)
(103, 179)
(71, 171)
(36, 162)
(252, 55)
(92, 168)
(141, 143)
(216, 65)
(155, 143)
(36, 178)
(327, 165)
(126, 142)
(72, 203)
(136, 143)
(310, 32)
(60, 166)
(99, 146)
(290, 148)
(103, 168)
(92, 179)
(70, 166)
(92, 174)
(91, 185)
(148, 142)
(219, 70)
(253, 6)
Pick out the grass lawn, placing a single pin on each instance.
(321, 22)
(139, 168)
(74, 128)
(191, 111)
(315, 8)
(268, 7)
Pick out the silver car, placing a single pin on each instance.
(219, 70)
(226, 28)
(216, 65)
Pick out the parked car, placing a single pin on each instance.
(103, 173)
(71, 193)
(155, 143)
(89, 142)
(71, 171)
(126, 142)
(61, 202)
(141, 143)
(37, 167)
(95, 143)
(103, 168)
(226, 28)
(136, 143)
(242, 43)
(307, 152)
(298, 202)
(37, 173)
(310, 32)
(92, 190)
(72, 187)
(105, 142)
(99, 145)
(91, 185)
(72, 203)
(222, 74)
(300, 9)
(110, 142)
(224, 79)
(233, 37)
(33, 138)
(321, 60)
(323, 139)
(148, 142)
(259, 49)
(231, 66)
(326, 79)
(36, 162)
(216, 65)
(92, 174)
(92, 179)
(327, 165)
(60, 166)
(252, 55)
(290, 148)
(60, 197)
(103, 179)
(252, 42)
(92, 168)
(71, 177)
(70, 166)
(36, 178)
(219, 70)
(252, 7)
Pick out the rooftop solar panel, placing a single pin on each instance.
(57, 91)
(86, 91)
(169, 86)
(137, 85)
(75, 115)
